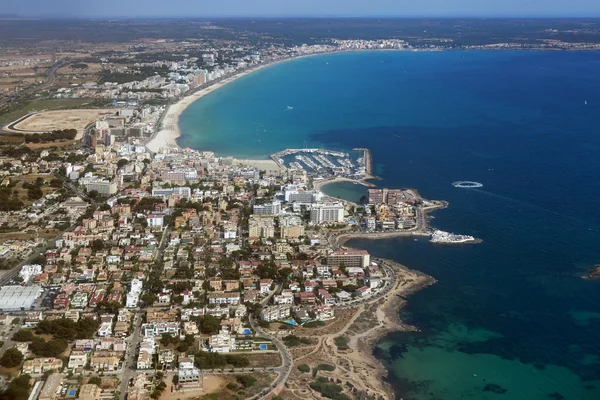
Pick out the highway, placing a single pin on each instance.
(50, 80)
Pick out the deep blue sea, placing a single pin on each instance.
(510, 318)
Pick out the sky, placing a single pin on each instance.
(253, 8)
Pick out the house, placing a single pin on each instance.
(275, 313)
(215, 283)
(166, 358)
(158, 328)
(307, 298)
(104, 363)
(310, 286)
(281, 299)
(77, 359)
(89, 392)
(185, 361)
(85, 344)
(265, 286)
(363, 291)
(190, 377)
(41, 365)
(79, 300)
(105, 329)
(190, 328)
(61, 301)
(343, 296)
(231, 285)
(221, 343)
(322, 313)
(229, 298)
(144, 360)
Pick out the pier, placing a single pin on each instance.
(368, 160)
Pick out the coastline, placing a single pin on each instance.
(356, 364)
(167, 136)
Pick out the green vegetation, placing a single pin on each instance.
(322, 367)
(245, 380)
(52, 348)
(341, 341)
(207, 360)
(18, 389)
(23, 335)
(67, 329)
(329, 390)
(57, 135)
(11, 358)
(314, 324)
(95, 380)
(293, 341)
(304, 368)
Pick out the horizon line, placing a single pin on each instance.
(297, 16)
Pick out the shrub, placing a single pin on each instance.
(245, 380)
(303, 368)
(11, 358)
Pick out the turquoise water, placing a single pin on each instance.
(511, 317)
(346, 190)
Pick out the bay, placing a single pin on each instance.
(511, 317)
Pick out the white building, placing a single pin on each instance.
(158, 328)
(327, 212)
(29, 271)
(133, 297)
(275, 313)
(221, 343)
(273, 208)
(155, 220)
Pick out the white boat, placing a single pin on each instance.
(439, 236)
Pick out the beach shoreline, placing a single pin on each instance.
(167, 136)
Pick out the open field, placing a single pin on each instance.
(47, 104)
(47, 121)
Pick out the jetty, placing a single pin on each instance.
(367, 159)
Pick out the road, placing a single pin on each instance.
(50, 80)
(286, 367)
(133, 341)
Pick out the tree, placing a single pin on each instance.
(148, 298)
(23, 335)
(95, 380)
(209, 324)
(97, 245)
(11, 358)
(93, 194)
(18, 389)
(122, 162)
(245, 380)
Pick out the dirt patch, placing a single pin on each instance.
(264, 360)
(47, 121)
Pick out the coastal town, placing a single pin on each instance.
(133, 268)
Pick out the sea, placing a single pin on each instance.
(509, 318)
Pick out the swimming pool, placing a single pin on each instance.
(72, 392)
(262, 346)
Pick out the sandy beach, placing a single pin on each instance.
(167, 136)
(318, 184)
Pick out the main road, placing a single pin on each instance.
(286, 366)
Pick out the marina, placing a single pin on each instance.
(321, 163)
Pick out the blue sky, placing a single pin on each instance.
(198, 8)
